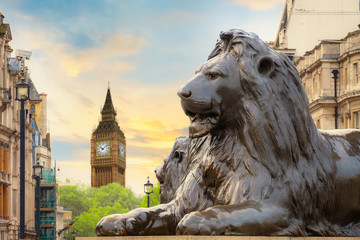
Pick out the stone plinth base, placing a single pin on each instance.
(193, 237)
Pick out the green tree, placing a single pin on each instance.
(89, 205)
(111, 194)
(74, 197)
(154, 197)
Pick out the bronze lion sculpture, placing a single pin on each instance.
(171, 172)
(257, 163)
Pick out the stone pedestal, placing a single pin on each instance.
(194, 237)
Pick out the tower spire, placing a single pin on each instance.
(108, 112)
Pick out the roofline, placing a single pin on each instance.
(281, 20)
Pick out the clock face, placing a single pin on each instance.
(122, 150)
(103, 148)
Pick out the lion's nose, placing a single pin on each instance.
(184, 94)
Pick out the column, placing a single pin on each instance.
(6, 160)
(6, 201)
(1, 200)
(113, 174)
(97, 177)
(1, 159)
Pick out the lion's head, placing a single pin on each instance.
(249, 88)
(242, 74)
(172, 170)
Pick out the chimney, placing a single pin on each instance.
(1, 18)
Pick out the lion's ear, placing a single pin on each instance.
(265, 66)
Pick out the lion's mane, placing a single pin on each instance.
(270, 141)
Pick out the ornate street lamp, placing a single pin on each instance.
(22, 95)
(37, 176)
(148, 188)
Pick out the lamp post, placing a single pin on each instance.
(148, 188)
(38, 176)
(74, 234)
(22, 95)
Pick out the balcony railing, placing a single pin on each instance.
(351, 44)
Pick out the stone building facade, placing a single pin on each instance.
(37, 140)
(108, 148)
(334, 103)
(10, 146)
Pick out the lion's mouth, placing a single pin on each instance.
(202, 123)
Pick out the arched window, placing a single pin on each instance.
(32, 109)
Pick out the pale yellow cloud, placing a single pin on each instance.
(116, 45)
(259, 4)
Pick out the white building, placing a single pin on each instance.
(305, 23)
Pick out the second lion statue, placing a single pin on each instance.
(257, 165)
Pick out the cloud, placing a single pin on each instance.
(259, 5)
(112, 46)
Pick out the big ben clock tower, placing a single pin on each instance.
(108, 148)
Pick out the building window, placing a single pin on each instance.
(344, 81)
(356, 73)
(356, 119)
(32, 109)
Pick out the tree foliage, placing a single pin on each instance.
(89, 205)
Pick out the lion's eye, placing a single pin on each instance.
(177, 155)
(212, 76)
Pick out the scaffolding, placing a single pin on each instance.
(48, 205)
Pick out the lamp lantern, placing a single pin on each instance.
(38, 170)
(148, 187)
(22, 90)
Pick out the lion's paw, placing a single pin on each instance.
(113, 225)
(195, 224)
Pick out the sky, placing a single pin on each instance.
(145, 49)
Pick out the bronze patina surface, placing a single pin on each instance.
(256, 164)
(171, 172)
